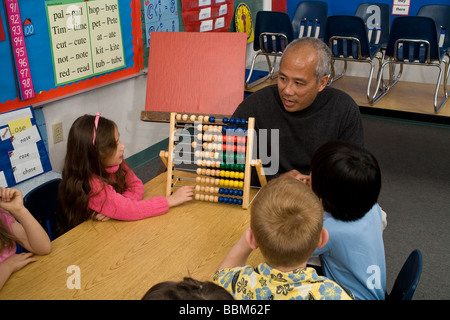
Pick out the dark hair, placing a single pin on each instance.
(347, 178)
(188, 289)
(83, 160)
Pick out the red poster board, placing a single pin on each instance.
(196, 72)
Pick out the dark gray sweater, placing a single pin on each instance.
(333, 115)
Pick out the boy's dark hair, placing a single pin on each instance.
(347, 178)
(188, 289)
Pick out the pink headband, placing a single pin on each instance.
(97, 117)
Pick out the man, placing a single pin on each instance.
(300, 113)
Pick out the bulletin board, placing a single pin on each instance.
(348, 7)
(23, 154)
(61, 47)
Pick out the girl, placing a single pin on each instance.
(97, 183)
(28, 233)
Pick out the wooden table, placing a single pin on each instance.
(122, 260)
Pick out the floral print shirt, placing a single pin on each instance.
(267, 283)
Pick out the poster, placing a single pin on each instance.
(160, 15)
(85, 37)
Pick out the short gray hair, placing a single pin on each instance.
(323, 67)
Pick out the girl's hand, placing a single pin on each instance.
(183, 194)
(100, 217)
(13, 264)
(18, 261)
(11, 200)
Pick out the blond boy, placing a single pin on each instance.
(286, 225)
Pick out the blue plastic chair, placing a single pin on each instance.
(408, 278)
(377, 18)
(348, 40)
(310, 19)
(413, 40)
(440, 13)
(42, 202)
(273, 32)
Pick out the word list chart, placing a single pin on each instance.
(22, 151)
(86, 38)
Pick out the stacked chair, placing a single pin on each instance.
(273, 32)
(310, 19)
(359, 38)
(417, 40)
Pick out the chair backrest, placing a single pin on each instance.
(310, 19)
(346, 26)
(440, 13)
(377, 17)
(408, 278)
(413, 28)
(272, 22)
(42, 202)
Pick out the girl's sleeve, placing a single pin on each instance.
(135, 187)
(105, 200)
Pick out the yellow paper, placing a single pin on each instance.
(19, 125)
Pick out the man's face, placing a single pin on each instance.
(297, 80)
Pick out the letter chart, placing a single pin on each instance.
(86, 38)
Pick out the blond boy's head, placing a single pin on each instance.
(286, 221)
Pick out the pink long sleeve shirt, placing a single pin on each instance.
(8, 220)
(128, 205)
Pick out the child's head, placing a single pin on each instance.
(286, 221)
(347, 178)
(188, 289)
(92, 141)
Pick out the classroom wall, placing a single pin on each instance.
(121, 102)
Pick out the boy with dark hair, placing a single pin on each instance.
(347, 179)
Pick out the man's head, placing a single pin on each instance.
(304, 72)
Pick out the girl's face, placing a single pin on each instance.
(117, 157)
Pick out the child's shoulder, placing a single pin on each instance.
(6, 218)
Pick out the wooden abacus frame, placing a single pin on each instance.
(168, 156)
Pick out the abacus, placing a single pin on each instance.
(222, 151)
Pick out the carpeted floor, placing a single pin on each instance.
(415, 162)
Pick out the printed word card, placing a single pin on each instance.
(85, 37)
(401, 7)
(22, 151)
